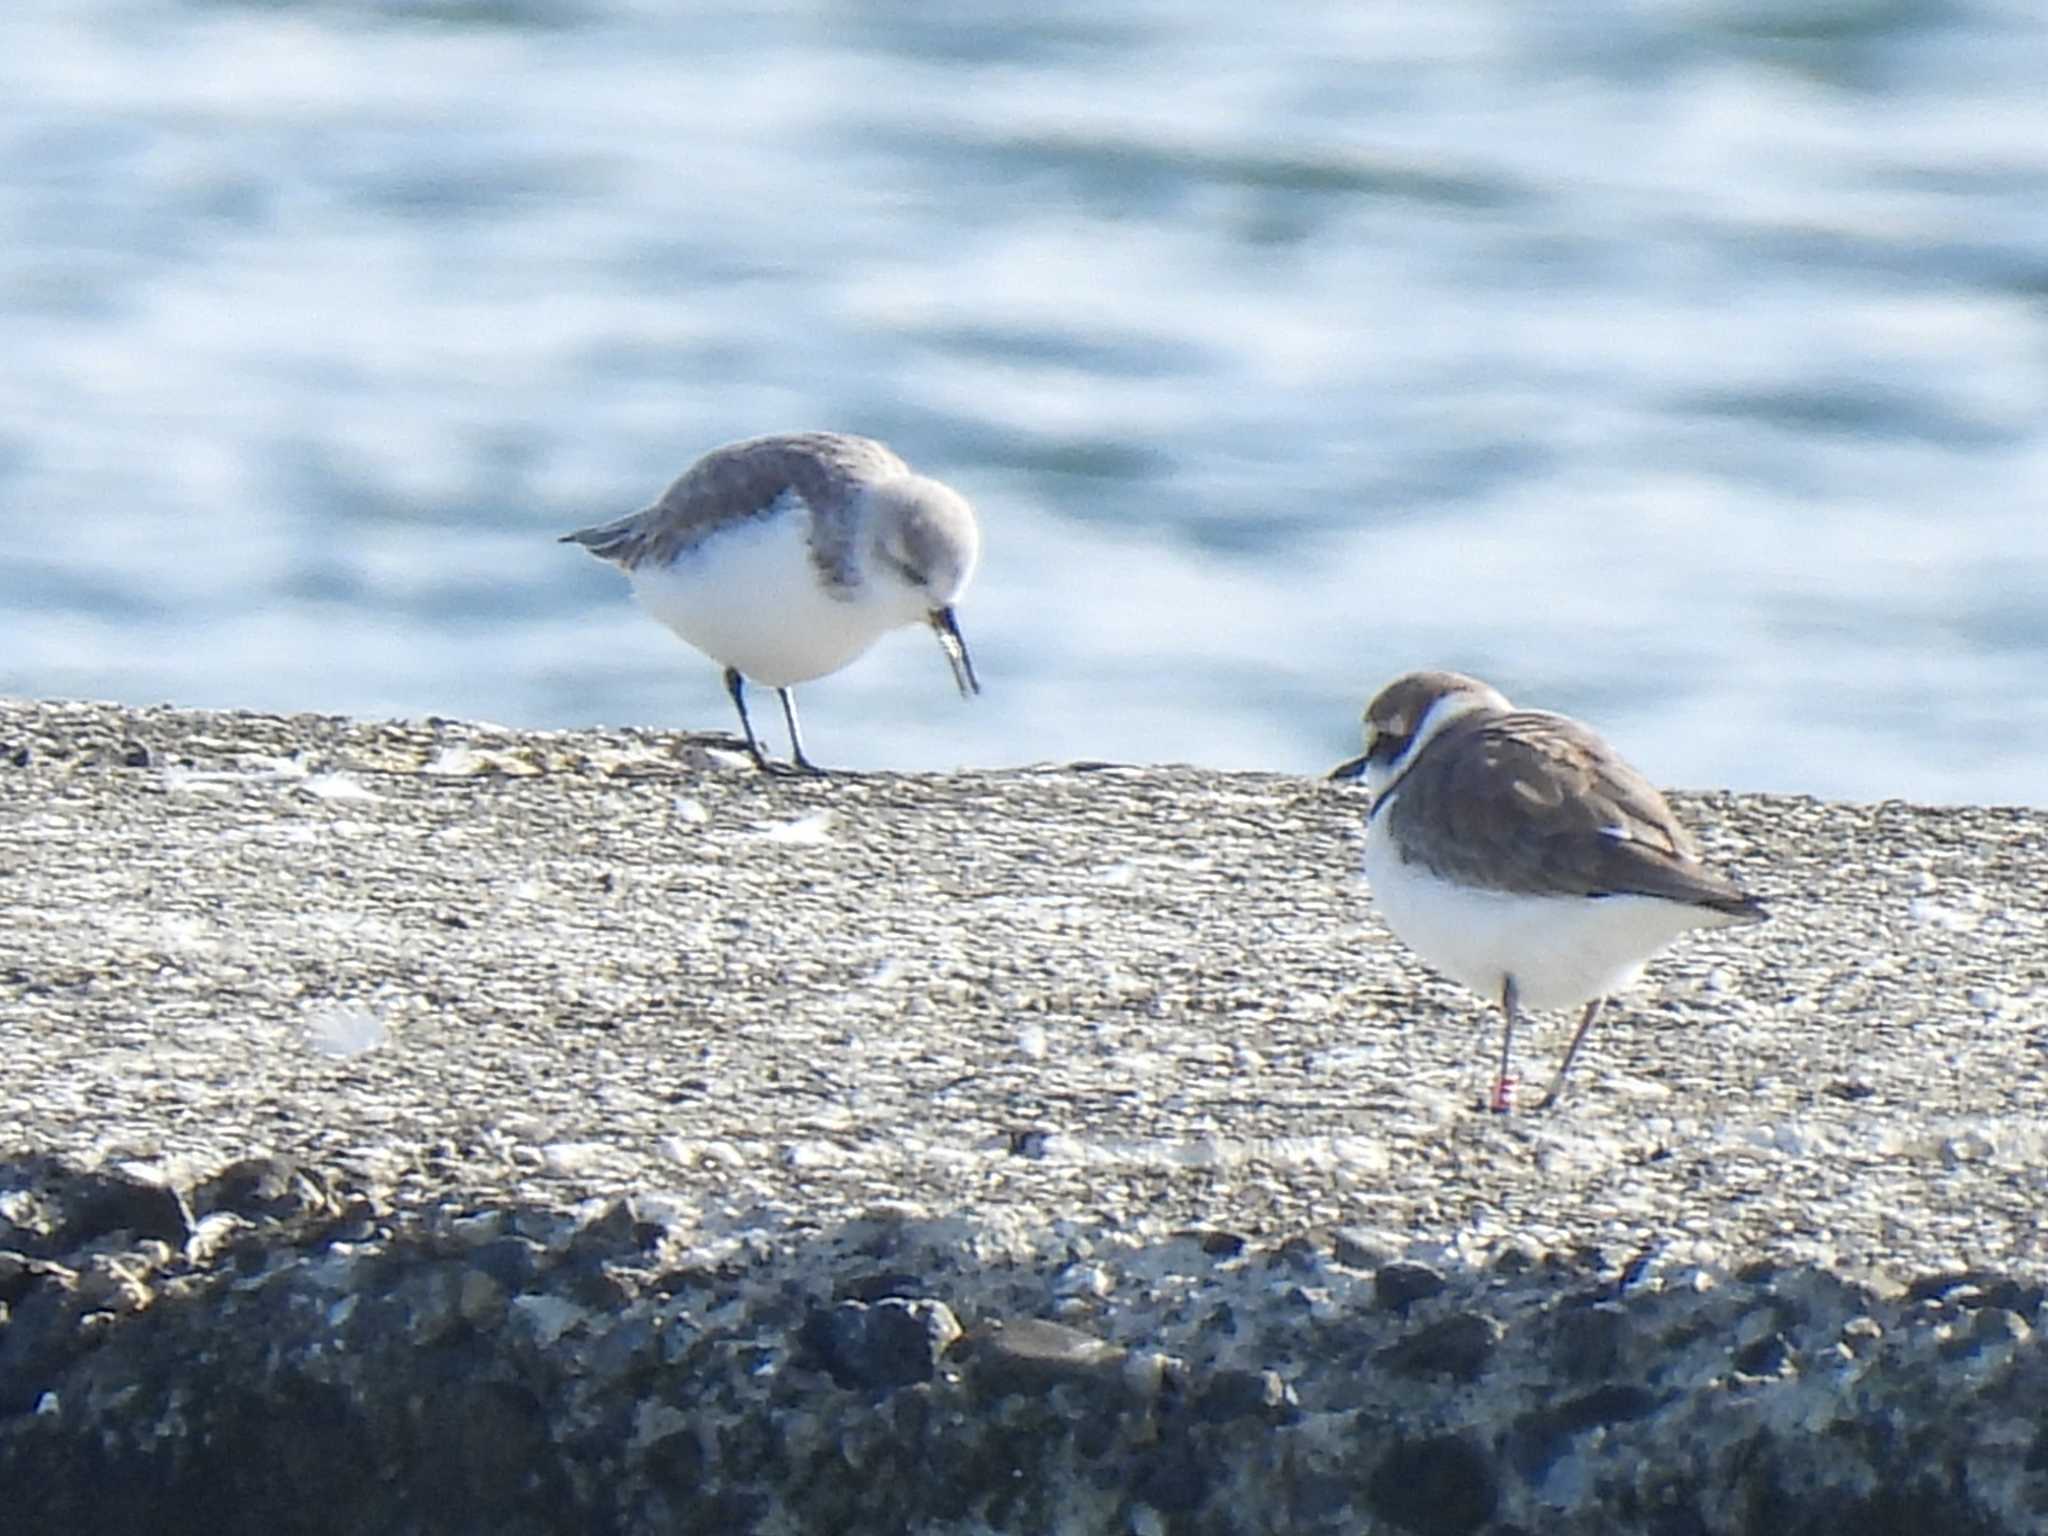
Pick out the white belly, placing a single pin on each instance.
(750, 599)
(1561, 950)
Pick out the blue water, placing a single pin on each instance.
(1682, 364)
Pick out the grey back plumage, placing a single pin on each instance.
(1529, 802)
(745, 480)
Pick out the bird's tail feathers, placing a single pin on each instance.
(617, 541)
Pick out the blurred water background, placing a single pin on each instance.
(1682, 364)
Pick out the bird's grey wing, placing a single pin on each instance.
(744, 480)
(737, 483)
(727, 486)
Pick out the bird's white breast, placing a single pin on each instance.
(750, 597)
(1561, 950)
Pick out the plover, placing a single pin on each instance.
(1516, 853)
(785, 557)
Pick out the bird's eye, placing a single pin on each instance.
(1388, 745)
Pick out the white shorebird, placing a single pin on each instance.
(1515, 852)
(783, 558)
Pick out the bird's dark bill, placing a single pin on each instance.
(947, 628)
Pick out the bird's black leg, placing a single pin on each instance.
(796, 737)
(735, 686)
(1572, 1051)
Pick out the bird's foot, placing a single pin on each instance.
(803, 768)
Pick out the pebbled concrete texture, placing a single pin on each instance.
(428, 1126)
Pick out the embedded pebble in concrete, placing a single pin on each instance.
(579, 1063)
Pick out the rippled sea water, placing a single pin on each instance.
(1682, 364)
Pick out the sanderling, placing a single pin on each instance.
(785, 557)
(1517, 854)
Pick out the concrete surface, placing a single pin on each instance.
(476, 1127)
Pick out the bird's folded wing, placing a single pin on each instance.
(1537, 804)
